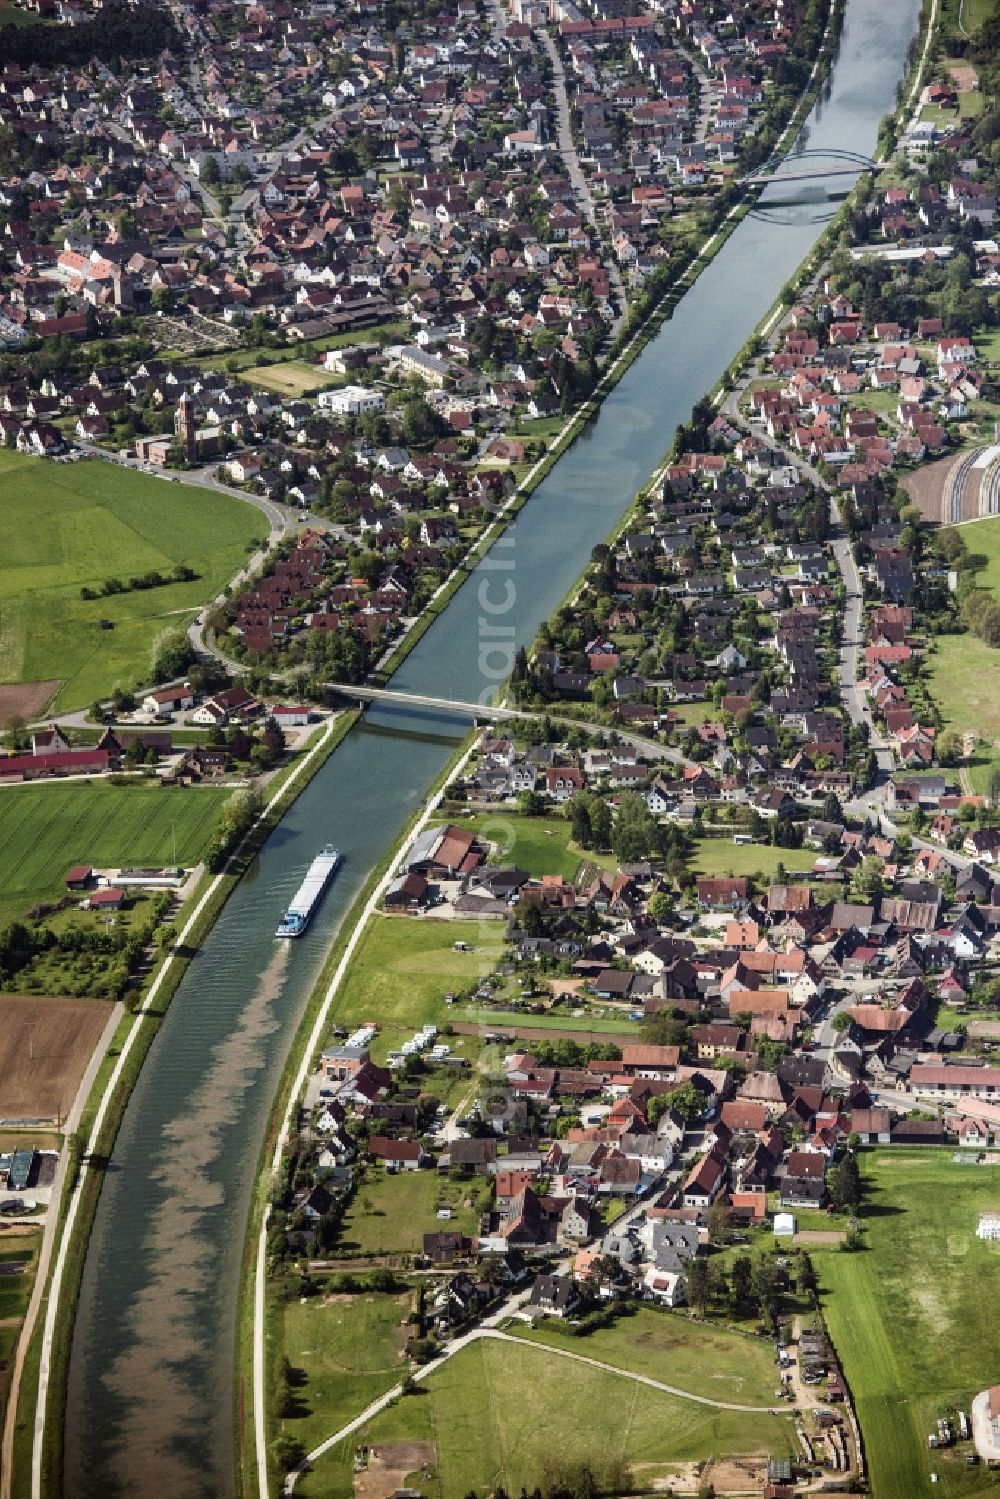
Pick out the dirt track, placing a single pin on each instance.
(537, 1033)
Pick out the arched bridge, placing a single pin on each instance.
(843, 164)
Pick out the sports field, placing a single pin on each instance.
(293, 377)
(349, 1348)
(64, 527)
(911, 1316)
(45, 1045)
(503, 1414)
(45, 830)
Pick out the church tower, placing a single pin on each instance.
(185, 429)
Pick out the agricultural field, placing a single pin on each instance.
(64, 527)
(925, 487)
(503, 1414)
(390, 1214)
(700, 1357)
(721, 856)
(402, 969)
(45, 1045)
(45, 830)
(24, 700)
(908, 1318)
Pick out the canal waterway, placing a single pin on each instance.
(151, 1407)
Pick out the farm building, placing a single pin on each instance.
(17, 1168)
(147, 879)
(39, 767)
(105, 900)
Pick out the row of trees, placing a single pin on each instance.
(153, 579)
(240, 812)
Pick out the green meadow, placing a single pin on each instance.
(64, 527)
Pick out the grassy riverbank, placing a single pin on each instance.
(320, 1005)
(125, 1058)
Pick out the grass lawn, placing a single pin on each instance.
(561, 1019)
(44, 830)
(975, 12)
(29, 1139)
(500, 1414)
(11, 16)
(908, 1318)
(721, 856)
(68, 526)
(402, 969)
(982, 538)
(962, 676)
(538, 845)
(545, 427)
(695, 1356)
(346, 1351)
(694, 713)
(981, 768)
(15, 1290)
(987, 342)
(391, 1214)
(883, 402)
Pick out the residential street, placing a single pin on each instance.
(571, 161)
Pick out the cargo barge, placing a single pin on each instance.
(307, 897)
